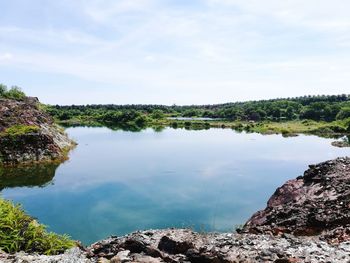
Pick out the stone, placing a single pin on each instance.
(103, 260)
(173, 246)
(314, 204)
(46, 144)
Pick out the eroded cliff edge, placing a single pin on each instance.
(28, 134)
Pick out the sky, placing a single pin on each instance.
(174, 51)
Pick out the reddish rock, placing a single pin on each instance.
(316, 203)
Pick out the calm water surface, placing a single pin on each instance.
(117, 182)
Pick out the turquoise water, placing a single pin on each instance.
(117, 182)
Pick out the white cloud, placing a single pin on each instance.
(217, 51)
(104, 10)
(6, 56)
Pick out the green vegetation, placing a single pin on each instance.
(19, 129)
(20, 232)
(308, 114)
(14, 92)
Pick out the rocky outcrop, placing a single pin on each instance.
(317, 203)
(26, 112)
(185, 246)
(181, 245)
(46, 143)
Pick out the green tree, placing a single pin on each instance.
(3, 90)
(157, 114)
(289, 113)
(343, 113)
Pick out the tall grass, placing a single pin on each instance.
(20, 232)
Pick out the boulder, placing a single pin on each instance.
(317, 203)
(45, 143)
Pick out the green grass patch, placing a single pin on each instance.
(18, 130)
(20, 232)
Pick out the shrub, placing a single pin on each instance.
(15, 93)
(20, 232)
(174, 125)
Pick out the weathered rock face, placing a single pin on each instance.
(181, 245)
(46, 144)
(26, 112)
(185, 246)
(313, 204)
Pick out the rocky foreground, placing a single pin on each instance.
(181, 245)
(46, 142)
(306, 220)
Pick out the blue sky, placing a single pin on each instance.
(174, 51)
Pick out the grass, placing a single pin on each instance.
(20, 129)
(20, 232)
(296, 127)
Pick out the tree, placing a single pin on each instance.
(3, 90)
(343, 113)
(290, 113)
(157, 114)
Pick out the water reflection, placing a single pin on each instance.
(121, 181)
(27, 176)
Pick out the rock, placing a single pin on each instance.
(219, 248)
(316, 203)
(341, 144)
(122, 256)
(72, 255)
(172, 246)
(45, 144)
(103, 260)
(116, 259)
(146, 259)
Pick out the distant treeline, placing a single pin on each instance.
(318, 108)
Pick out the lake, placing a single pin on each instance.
(117, 182)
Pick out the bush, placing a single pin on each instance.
(346, 124)
(157, 114)
(343, 113)
(174, 125)
(14, 92)
(20, 232)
